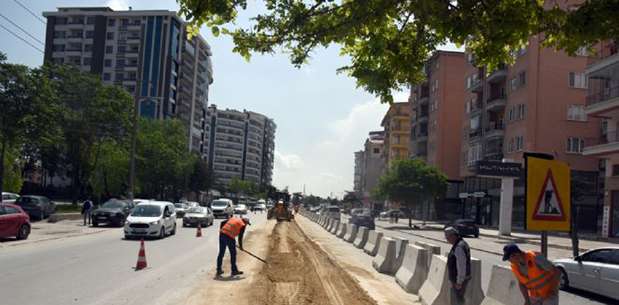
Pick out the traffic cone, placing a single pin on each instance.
(199, 231)
(141, 264)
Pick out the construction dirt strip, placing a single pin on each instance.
(296, 270)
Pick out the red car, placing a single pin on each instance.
(14, 222)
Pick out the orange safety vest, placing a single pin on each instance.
(233, 227)
(539, 282)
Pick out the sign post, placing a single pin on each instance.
(547, 191)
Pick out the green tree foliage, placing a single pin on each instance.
(109, 178)
(243, 187)
(388, 41)
(12, 180)
(411, 182)
(200, 178)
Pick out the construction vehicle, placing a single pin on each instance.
(281, 211)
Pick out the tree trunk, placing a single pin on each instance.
(2, 152)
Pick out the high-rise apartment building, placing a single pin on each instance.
(396, 124)
(535, 105)
(437, 105)
(144, 51)
(241, 145)
(359, 172)
(603, 102)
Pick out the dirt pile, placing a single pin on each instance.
(299, 272)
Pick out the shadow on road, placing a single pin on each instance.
(591, 296)
(228, 278)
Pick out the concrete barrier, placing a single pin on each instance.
(373, 243)
(414, 269)
(385, 258)
(436, 290)
(362, 237)
(434, 249)
(342, 231)
(335, 226)
(330, 224)
(401, 244)
(351, 234)
(503, 288)
(327, 223)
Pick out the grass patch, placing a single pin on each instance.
(68, 208)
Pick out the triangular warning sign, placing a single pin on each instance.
(549, 205)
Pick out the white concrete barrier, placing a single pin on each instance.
(401, 244)
(385, 258)
(351, 234)
(327, 223)
(330, 224)
(414, 270)
(362, 237)
(335, 226)
(503, 288)
(371, 246)
(436, 290)
(434, 249)
(342, 231)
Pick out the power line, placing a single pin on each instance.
(22, 39)
(30, 11)
(22, 29)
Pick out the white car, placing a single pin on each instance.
(260, 207)
(240, 209)
(596, 271)
(222, 208)
(151, 219)
(9, 197)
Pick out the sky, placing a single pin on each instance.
(322, 117)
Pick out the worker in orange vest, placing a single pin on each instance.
(229, 230)
(538, 277)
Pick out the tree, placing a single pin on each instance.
(12, 180)
(201, 178)
(242, 187)
(411, 182)
(109, 178)
(388, 41)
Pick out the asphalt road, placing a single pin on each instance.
(98, 268)
(488, 260)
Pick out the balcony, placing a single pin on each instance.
(422, 136)
(609, 56)
(475, 134)
(604, 145)
(495, 131)
(498, 75)
(602, 100)
(496, 102)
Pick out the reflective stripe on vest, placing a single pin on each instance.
(539, 282)
(233, 227)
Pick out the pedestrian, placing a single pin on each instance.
(86, 209)
(458, 265)
(396, 216)
(538, 278)
(229, 230)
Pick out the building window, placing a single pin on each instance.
(578, 80)
(376, 151)
(519, 143)
(576, 113)
(521, 111)
(87, 48)
(575, 145)
(60, 34)
(122, 49)
(518, 81)
(90, 34)
(87, 61)
(90, 20)
(119, 76)
(107, 63)
(111, 22)
(109, 35)
(106, 76)
(435, 85)
(109, 49)
(510, 145)
(615, 170)
(58, 48)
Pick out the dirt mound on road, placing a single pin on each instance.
(299, 272)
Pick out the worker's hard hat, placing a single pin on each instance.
(246, 220)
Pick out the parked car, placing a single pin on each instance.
(151, 219)
(198, 215)
(596, 271)
(112, 212)
(333, 211)
(260, 207)
(39, 207)
(192, 204)
(222, 208)
(240, 209)
(9, 197)
(362, 218)
(466, 227)
(391, 213)
(14, 222)
(181, 209)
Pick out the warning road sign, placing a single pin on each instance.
(548, 195)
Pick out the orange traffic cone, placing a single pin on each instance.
(199, 231)
(141, 264)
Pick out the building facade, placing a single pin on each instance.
(437, 105)
(144, 51)
(396, 124)
(241, 145)
(535, 105)
(603, 103)
(359, 172)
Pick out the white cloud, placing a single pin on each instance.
(288, 161)
(118, 5)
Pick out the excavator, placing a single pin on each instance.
(281, 209)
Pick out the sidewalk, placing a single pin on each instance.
(43, 231)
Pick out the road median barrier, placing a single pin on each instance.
(414, 270)
(330, 225)
(351, 234)
(401, 244)
(385, 258)
(436, 290)
(335, 226)
(371, 246)
(362, 237)
(503, 289)
(432, 248)
(342, 231)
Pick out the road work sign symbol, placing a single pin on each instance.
(548, 195)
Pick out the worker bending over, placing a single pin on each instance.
(229, 230)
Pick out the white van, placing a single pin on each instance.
(151, 219)
(222, 208)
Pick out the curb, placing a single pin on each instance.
(533, 242)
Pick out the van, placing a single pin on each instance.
(222, 208)
(151, 219)
(333, 212)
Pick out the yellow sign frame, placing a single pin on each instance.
(539, 173)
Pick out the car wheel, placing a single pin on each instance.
(23, 232)
(162, 233)
(173, 230)
(476, 235)
(564, 283)
(94, 223)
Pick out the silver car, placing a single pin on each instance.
(596, 271)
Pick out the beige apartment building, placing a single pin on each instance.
(603, 103)
(535, 105)
(436, 118)
(396, 124)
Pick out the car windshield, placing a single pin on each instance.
(241, 206)
(179, 206)
(113, 204)
(198, 210)
(146, 211)
(219, 204)
(25, 201)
